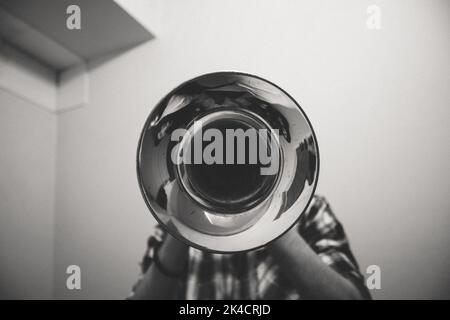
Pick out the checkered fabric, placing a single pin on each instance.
(256, 274)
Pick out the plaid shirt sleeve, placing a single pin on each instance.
(154, 241)
(318, 226)
(325, 235)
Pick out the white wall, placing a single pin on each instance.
(27, 178)
(27, 78)
(378, 101)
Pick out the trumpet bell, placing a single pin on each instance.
(227, 162)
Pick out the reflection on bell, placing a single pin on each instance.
(227, 162)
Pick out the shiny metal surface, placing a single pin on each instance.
(191, 202)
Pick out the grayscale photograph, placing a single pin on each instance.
(224, 154)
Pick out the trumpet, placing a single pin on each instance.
(227, 162)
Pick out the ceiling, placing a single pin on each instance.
(39, 29)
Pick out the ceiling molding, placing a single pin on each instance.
(43, 61)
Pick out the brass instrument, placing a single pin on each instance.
(200, 162)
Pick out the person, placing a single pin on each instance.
(312, 260)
